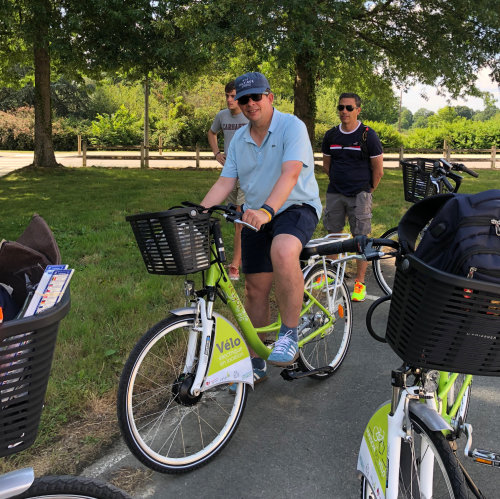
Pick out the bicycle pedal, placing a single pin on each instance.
(487, 457)
(292, 367)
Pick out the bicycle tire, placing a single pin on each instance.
(448, 479)
(330, 348)
(164, 432)
(384, 269)
(74, 487)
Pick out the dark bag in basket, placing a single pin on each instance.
(463, 237)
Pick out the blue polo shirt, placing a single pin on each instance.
(259, 168)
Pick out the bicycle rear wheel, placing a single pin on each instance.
(428, 467)
(164, 426)
(74, 487)
(329, 348)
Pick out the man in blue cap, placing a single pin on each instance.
(273, 159)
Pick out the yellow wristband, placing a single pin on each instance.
(267, 213)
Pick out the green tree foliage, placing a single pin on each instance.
(421, 117)
(464, 111)
(406, 119)
(445, 115)
(388, 135)
(17, 130)
(460, 134)
(79, 38)
(399, 41)
(122, 128)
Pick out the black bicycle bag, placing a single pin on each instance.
(463, 237)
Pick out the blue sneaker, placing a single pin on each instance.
(285, 351)
(259, 373)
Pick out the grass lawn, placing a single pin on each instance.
(114, 299)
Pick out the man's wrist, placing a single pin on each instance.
(268, 210)
(216, 154)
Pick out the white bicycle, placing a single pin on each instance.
(409, 447)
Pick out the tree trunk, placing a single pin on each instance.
(304, 89)
(44, 147)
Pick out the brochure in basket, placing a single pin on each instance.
(50, 289)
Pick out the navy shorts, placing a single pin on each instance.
(297, 220)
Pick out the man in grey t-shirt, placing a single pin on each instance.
(229, 120)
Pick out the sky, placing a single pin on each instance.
(413, 101)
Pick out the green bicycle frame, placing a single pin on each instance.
(445, 384)
(216, 276)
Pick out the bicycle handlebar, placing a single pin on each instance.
(229, 212)
(459, 167)
(359, 244)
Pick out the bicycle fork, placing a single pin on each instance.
(216, 353)
(203, 326)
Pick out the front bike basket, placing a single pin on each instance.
(26, 350)
(173, 242)
(442, 321)
(417, 179)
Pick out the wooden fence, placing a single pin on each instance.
(144, 157)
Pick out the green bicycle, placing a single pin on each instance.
(175, 409)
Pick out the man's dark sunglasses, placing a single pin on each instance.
(255, 97)
(350, 108)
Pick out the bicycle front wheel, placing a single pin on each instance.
(164, 426)
(330, 347)
(384, 269)
(74, 487)
(428, 467)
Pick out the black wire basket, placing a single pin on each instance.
(26, 351)
(443, 321)
(417, 179)
(173, 242)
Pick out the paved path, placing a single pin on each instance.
(301, 439)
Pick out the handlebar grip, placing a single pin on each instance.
(355, 245)
(448, 185)
(464, 169)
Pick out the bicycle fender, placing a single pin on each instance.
(432, 419)
(372, 457)
(183, 311)
(230, 360)
(16, 482)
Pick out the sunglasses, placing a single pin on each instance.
(350, 108)
(255, 97)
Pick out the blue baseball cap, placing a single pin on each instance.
(251, 83)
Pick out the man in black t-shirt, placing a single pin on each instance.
(353, 160)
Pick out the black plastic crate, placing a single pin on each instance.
(173, 242)
(26, 351)
(417, 179)
(443, 321)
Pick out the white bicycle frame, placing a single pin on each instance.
(383, 474)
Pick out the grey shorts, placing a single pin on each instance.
(236, 196)
(357, 209)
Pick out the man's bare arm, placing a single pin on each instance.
(327, 160)
(290, 171)
(214, 145)
(219, 191)
(377, 165)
